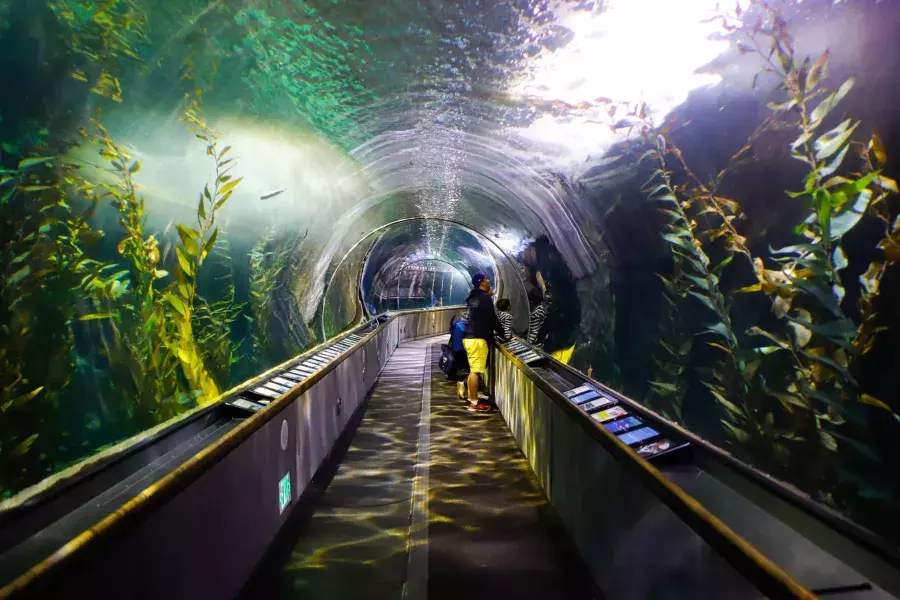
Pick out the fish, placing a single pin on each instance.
(271, 195)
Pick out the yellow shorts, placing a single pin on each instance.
(564, 355)
(477, 353)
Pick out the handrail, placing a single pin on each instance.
(783, 490)
(53, 485)
(189, 471)
(752, 564)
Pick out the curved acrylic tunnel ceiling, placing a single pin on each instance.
(347, 116)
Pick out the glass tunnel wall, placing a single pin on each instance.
(189, 192)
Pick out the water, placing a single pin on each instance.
(438, 139)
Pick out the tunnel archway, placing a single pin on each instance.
(387, 248)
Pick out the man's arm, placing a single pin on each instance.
(496, 325)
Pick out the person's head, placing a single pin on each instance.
(503, 304)
(480, 282)
(535, 296)
(530, 253)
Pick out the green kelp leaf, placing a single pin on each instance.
(222, 200)
(830, 101)
(864, 449)
(822, 294)
(663, 389)
(230, 186)
(184, 261)
(796, 249)
(23, 399)
(840, 331)
(829, 143)
(25, 445)
(647, 154)
(789, 400)
(679, 241)
(718, 329)
(27, 163)
(802, 335)
(725, 402)
(887, 183)
(723, 264)
(96, 316)
(830, 363)
(659, 188)
(666, 198)
(823, 210)
(756, 287)
(801, 140)
(19, 275)
(818, 71)
(189, 238)
(839, 259)
(740, 435)
(705, 300)
(833, 165)
(873, 401)
(701, 283)
(848, 219)
(828, 440)
(871, 279)
(201, 208)
(788, 105)
(777, 340)
(209, 244)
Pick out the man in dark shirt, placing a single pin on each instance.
(481, 325)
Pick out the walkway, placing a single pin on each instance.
(467, 521)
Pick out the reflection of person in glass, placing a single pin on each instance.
(549, 271)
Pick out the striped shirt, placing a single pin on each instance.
(506, 320)
(538, 315)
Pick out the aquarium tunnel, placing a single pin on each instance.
(237, 234)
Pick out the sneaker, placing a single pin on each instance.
(479, 407)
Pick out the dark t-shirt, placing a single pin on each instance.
(482, 321)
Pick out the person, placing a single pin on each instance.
(549, 271)
(538, 314)
(481, 325)
(453, 355)
(505, 317)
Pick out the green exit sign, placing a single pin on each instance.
(284, 492)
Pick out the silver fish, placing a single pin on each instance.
(271, 195)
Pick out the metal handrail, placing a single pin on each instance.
(752, 564)
(179, 478)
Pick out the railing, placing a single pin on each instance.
(218, 510)
(585, 471)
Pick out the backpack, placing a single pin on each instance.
(454, 364)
